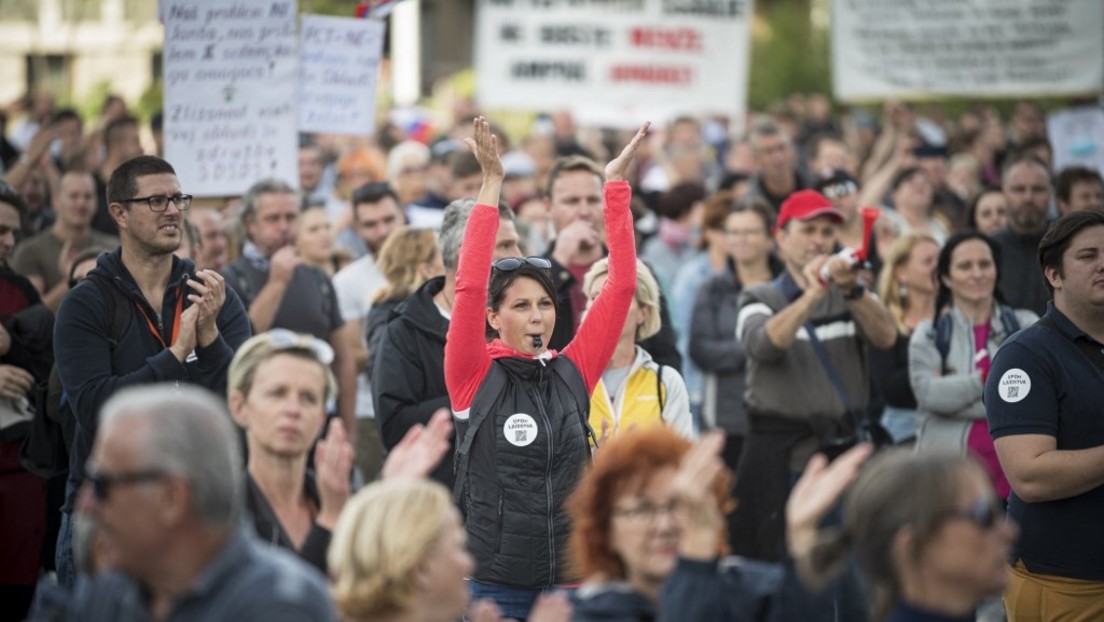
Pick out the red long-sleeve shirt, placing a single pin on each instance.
(468, 356)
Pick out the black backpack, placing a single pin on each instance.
(45, 450)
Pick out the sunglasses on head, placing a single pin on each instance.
(985, 513)
(284, 339)
(509, 264)
(841, 189)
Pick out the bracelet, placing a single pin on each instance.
(856, 292)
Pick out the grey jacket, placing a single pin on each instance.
(948, 404)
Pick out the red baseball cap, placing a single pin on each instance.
(805, 205)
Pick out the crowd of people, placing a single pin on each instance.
(488, 377)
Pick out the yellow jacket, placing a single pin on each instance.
(637, 402)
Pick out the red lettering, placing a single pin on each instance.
(671, 39)
(651, 74)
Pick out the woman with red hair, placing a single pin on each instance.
(649, 533)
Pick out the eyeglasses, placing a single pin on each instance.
(842, 189)
(985, 513)
(160, 202)
(744, 233)
(285, 339)
(509, 264)
(647, 512)
(102, 483)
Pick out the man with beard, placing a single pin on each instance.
(1026, 186)
(46, 258)
(142, 316)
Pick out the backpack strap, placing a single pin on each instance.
(571, 376)
(944, 328)
(492, 386)
(660, 393)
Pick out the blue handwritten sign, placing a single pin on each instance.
(339, 59)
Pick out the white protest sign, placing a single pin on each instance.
(231, 91)
(1077, 137)
(632, 58)
(339, 58)
(987, 48)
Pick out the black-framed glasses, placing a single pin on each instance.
(285, 339)
(160, 202)
(102, 482)
(646, 512)
(985, 513)
(509, 264)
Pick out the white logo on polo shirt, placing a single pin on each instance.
(1014, 385)
(520, 430)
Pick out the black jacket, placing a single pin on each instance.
(93, 369)
(735, 589)
(715, 348)
(528, 446)
(408, 374)
(661, 346)
(269, 529)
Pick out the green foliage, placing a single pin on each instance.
(91, 103)
(788, 54)
(151, 101)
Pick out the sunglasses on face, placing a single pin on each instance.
(284, 339)
(509, 264)
(102, 482)
(985, 513)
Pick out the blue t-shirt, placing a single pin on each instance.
(1041, 382)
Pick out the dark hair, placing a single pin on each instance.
(971, 211)
(463, 164)
(677, 202)
(1022, 158)
(758, 205)
(572, 164)
(730, 180)
(157, 121)
(66, 114)
(1058, 238)
(114, 128)
(904, 176)
(123, 184)
(374, 192)
(501, 282)
(1070, 176)
(816, 143)
(12, 197)
(1027, 146)
(84, 256)
(943, 267)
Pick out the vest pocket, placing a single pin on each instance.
(498, 525)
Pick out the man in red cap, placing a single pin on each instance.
(805, 337)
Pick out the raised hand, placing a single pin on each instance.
(283, 264)
(15, 382)
(615, 170)
(333, 462)
(818, 490)
(420, 449)
(698, 512)
(485, 147)
(185, 342)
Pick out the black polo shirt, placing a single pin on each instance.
(1042, 382)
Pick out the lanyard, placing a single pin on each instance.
(176, 321)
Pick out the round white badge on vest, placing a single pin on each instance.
(520, 430)
(1014, 385)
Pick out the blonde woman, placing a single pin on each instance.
(409, 257)
(400, 553)
(907, 287)
(635, 390)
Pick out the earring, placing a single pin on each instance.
(902, 291)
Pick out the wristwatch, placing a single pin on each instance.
(856, 292)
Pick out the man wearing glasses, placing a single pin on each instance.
(142, 316)
(166, 489)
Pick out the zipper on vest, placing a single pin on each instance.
(547, 480)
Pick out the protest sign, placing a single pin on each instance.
(631, 58)
(231, 91)
(1077, 137)
(979, 48)
(339, 59)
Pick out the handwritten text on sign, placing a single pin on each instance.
(339, 60)
(231, 86)
(893, 48)
(674, 55)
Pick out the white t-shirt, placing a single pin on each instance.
(355, 285)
